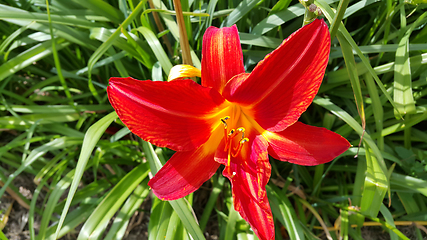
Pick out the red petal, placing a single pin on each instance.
(178, 114)
(222, 56)
(283, 85)
(184, 173)
(249, 172)
(305, 145)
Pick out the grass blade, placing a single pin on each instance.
(98, 220)
(90, 140)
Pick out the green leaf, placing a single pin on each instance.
(230, 230)
(179, 206)
(42, 17)
(261, 41)
(283, 210)
(354, 77)
(2, 236)
(240, 11)
(90, 140)
(338, 17)
(389, 219)
(175, 227)
(330, 14)
(102, 8)
(409, 183)
(98, 220)
(402, 71)
(58, 143)
(157, 207)
(278, 19)
(107, 44)
(42, 118)
(218, 185)
(375, 186)
(377, 107)
(157, 48)
(29, 56)
(279, 6)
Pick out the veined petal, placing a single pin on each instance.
(222, 56)
(283, 85)
(183, 71)
(249, 172)
(305, 145)
(184, 173)
(179, 115)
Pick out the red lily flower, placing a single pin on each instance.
(233, 118)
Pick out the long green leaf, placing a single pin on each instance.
(330, 14)
(375, 186)
(180, 206)
(241, 10)
(92, 136)
(157, 48)
(283, 210)
(402, 71)
(107, 44)
(38, 152)
(29, 56)
(98, 220)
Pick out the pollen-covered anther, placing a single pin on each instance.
(228, 139)
(232, 133)
(241, 130)
(224, 121)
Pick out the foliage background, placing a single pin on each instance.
(58, 128)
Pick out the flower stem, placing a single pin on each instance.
(311, 11)
(183, 39)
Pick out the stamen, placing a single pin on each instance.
(228, 139)
(231, 133)
(224, 121)
(242, 130)
(229, 160)
(237, 149)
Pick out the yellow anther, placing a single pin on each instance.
(231, 132)
(224, 121)
(242, 130)
(228, 140)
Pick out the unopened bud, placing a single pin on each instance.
(312, 7)
(319, 11)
